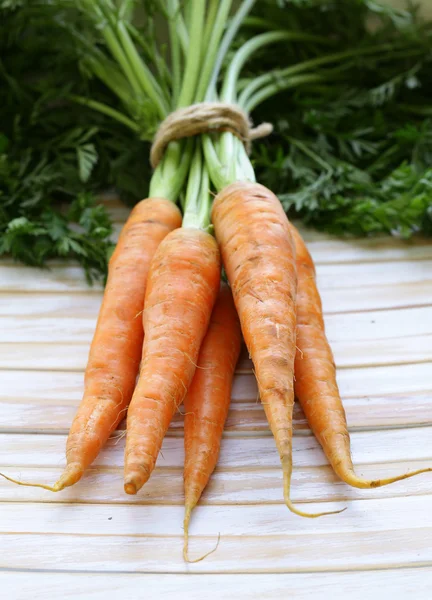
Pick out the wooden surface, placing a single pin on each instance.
(92, 541)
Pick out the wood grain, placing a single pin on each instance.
(245, 452)
(95, 541)
(244, 554)
(264, 520)
(397, 583)
(227, 487)
(358, 339)
(387, 396)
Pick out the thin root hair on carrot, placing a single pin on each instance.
(359, 482)
(117, 419)
(53, 488)
(195, 365)
(287, 469)
(188, 512)
(119, 437)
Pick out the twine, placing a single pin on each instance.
(205, 117)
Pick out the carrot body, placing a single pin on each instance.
(115, 351)
(182, 287)
(315, 377)
(258, 254)
(207, 401)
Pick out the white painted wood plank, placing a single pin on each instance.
(46, 329)
(241, 489)
(72, 356)
(385, 515)
(71, 326)
(343, 287)
(362, 297)
(237, 486)
(28, 335)
(362, 413)
(42, 356)
(358, 585)
(19, 313)
(372, 381)
(340, 276)
(388, 396)
(35, 305)
(402, 294)
(392, 351)
(57, 279)
(249, 452)
(379, 325)
(333, 250)
(280, 554)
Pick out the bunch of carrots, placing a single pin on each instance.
(170, 329)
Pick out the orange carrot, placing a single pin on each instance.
(115, 352)
(182, 287)
(257, 250)
(207, 402)
(315, 377)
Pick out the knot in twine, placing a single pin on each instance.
(205, 117)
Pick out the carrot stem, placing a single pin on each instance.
(198, 200)
(169, 176)
(245, 52)
(144, 76)
(268, 78)
(176, 57)
(210, 49)
(243, 10)
(193, 59)
(106, 110)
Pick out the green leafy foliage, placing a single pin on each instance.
(55, 155)
(350, 155)
(354, 156)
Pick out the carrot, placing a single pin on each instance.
(207, 402)
(315, 377)
(182, 287)
(116, 347)
(258, 253)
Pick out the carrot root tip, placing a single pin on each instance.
(136, 476)
(287, 470)
(72, 473)
(187, 517)
(54, 488)
(130, 488)
(354, 480)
